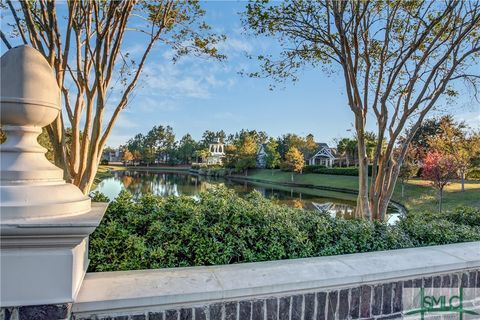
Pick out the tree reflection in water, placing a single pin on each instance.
(165, 184)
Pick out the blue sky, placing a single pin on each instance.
(196, 94)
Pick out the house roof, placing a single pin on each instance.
(324, 150)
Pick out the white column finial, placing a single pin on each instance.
(30, 186)
(45, 222)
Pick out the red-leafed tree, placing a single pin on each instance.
(440, 169)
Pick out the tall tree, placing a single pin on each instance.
(186, 149)
(407, 170)
(397, 58)
(127, 156)
(288, 141)
(135, 145)
(348, 147)
(246, 153)
(294, 161)
(83, 41)
(272, 157)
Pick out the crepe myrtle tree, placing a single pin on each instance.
(440, 169)
(398, 60)
(84, 42)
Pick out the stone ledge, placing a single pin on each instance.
(157, 289)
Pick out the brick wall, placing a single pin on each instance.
(368, 301)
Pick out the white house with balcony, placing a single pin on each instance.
(216, 152)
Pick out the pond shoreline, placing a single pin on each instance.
(182, 170)
(397, 205)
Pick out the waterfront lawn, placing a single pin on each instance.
(419, 195)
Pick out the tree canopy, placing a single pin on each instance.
(84, 42)
(398, 60)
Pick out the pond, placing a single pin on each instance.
(165, 184)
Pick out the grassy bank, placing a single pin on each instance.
(419, 195)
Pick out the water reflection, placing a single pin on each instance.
(174, 184)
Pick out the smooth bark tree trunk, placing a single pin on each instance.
(363, 208)
(462, 175)
(440, 200)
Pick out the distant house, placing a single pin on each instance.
(216, 153)
(261, 157)
(113, 155)
(344, 159)
(324, 156)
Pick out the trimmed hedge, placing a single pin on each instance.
(348, 171)
(220, 227)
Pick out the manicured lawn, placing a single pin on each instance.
(419, 195)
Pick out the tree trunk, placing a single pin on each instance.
(403, 188)
(440, 199)
(291, 177)
(362, 209)
(462, 176)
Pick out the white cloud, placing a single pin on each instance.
(235, 45)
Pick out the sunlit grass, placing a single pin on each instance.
(419, 195)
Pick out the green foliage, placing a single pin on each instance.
(246, 152)
(407, 171)
(220, 227)
(349, 171)
(313, 168)
(272, 158)
(213, 171)
(474, 173)
(97, 196)
(294, 160)
(431, 228)
(185, 152)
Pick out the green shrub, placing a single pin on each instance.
(350, 171)
(430, 228)
(220, 227)
(347, 171)
(473, 174)
(313, 168)
(198, 165)
(104, 162)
